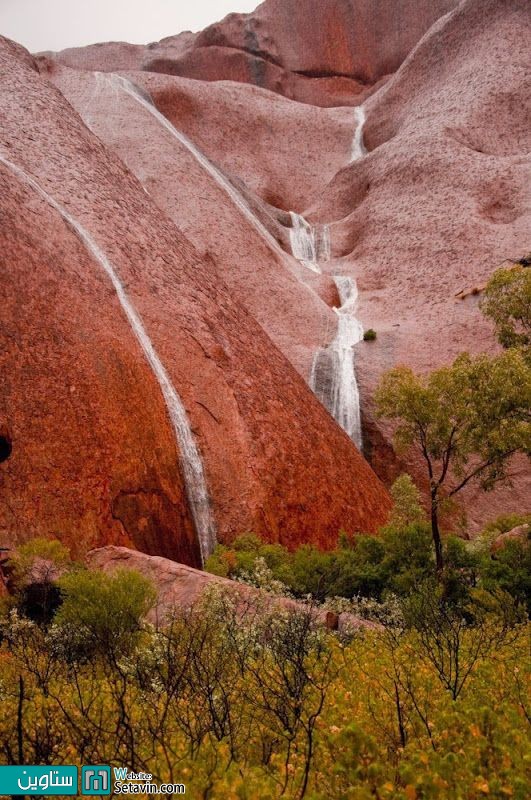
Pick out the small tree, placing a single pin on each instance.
(407, 509)
(466, 420)
(36, 567)
(454, 637)
(507, 302)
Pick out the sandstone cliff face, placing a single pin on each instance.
(442, 198)
(253, 140)
(195, 222)
(439, 201)
(326, 54)
(94, 459)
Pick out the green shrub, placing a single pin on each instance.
(396, 562)
(103, 613)
(36, 566)
(311, 571)
(359, 570)
(369, 335)
(51, 551)
(409, 557)
(510, 569)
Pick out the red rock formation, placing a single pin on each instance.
(326, 54)
(441, 199)
(262, 147)
(94, 459)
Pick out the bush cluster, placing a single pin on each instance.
(397, 561)
(250, 700)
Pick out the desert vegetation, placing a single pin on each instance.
(237, 697)
(468, 419)
(422, 693)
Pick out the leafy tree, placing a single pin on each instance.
(507, 302)
(466, 420)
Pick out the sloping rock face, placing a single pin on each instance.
(180, 587)
(522, 533)
(258, 150)
(421, 221)
(442, 198)
(319, 53)
(93, 457)
(177, 585)
(189, 199)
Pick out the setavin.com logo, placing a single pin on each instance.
(61, 781)
(96, 781)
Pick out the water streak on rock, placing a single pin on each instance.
(310, 244)
(144, 99)
(358, 148)
(333, 377)
(191, 463)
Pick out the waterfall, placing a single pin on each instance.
(144, 99)
(333, 377)
(358, 148)
(191, 464)
(310, 244)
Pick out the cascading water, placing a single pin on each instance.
(333, 377)
(358, 148)
(310, 244)
(191, 464)
(143, 98)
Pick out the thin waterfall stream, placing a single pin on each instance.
(190, 459)
(333, 375)
(358, 147)
(310, 244)
(142, 97)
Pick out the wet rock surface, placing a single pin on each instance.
(94, 458)
(199, 235)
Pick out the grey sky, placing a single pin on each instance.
(56, 24)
